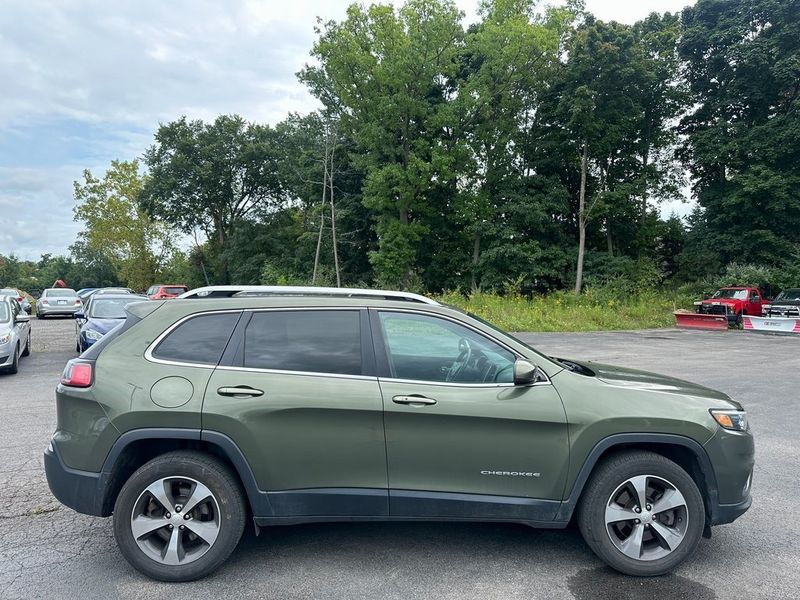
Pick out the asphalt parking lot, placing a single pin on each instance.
(48, 551)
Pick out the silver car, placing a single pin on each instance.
(23, 301)
(15, 334)
(58, 301)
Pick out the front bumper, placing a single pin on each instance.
(81, 491)
(732, 455)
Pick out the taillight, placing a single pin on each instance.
(77, 374)
(20, 299)
(45, 301)
(77, 301)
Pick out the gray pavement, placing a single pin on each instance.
(48, 551)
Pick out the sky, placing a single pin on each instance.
(84, 82)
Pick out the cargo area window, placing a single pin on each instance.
(201, 339)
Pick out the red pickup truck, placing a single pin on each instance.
(733, 302)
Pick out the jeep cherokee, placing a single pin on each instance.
(191, 418)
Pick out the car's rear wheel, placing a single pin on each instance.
(179, 517)
(641, 513)
(27, 350)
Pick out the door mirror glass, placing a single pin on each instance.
(525, 372)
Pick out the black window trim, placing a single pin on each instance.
(148, 353)
(382, 358)
(233, 357)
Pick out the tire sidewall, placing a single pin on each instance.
(229, 500)
(607, 480)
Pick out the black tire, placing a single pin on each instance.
(27, 350)
(39, 316)
(78, 347)
(14, 367)
(209, 471)
(606, 479)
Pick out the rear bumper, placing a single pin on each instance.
(79, 490)
(57, 310)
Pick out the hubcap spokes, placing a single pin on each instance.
(646, 517)
(175, 520)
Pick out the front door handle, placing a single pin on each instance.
(414, 400)
(240, 391)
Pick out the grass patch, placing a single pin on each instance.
(595, 310)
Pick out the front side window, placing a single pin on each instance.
(200, 339)
(316, 341)
(426, 348)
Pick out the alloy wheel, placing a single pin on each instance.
(175, 520)
(646, 517)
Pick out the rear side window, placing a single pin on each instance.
(317, 341)
(200, 339)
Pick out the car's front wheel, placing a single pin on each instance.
(27, 351)
(180, 516)
(641, 513)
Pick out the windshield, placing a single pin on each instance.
(111, 308)
(5, 313)
(175, 290)
(731, 294)
(8, 292)
(60, 293)
(790, 295)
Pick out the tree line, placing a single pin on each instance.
(530, 149)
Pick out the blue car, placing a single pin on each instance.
(102, 314)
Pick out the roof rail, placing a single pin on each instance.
(240, 291)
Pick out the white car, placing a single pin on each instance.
(15, 334)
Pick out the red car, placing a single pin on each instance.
(164, 291)
(733, 302)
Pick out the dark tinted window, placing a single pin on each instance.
(319, 341)
(201, 339)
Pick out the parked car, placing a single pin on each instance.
(193, 417)
(164, 291)
(24, 303)
(733, 302)
(113, 290)
(785, 304)
(15, 333)
(58, 301)
(102, 314)
(85, 293)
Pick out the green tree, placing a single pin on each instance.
(210, 177)
(389, 73)
(116, 226)
(742, 61)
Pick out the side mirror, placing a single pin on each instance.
(79, 315)
(22, 318)
(524, 372)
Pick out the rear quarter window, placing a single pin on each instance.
(198, 340)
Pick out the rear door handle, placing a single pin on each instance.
(414, 400)
(239, 391)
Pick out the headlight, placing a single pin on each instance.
(91, 334)
(4, 339)
(735, 420)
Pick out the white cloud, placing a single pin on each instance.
(88, 81)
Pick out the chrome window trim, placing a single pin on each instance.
(465, 385)
(303, 373)
(148, 353)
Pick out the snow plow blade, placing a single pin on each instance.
(690, 320)
(771, 324)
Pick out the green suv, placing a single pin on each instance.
(297, 405)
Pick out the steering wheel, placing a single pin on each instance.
(461, 362)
